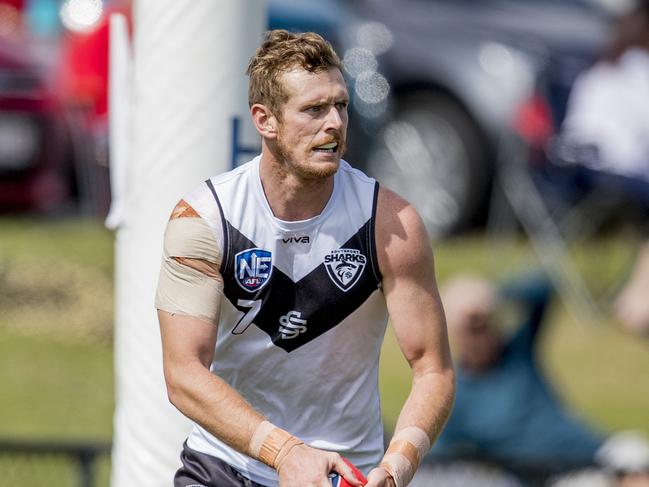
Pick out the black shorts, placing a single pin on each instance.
(201, 470)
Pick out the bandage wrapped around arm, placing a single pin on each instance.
(271, 444)
(189, 282)
(404, 454)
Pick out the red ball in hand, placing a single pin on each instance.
(339, 480)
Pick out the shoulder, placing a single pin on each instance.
(204, 197)
(238, 173)
(199, 204)
(356, 178)
(636, 59)
(349, 171)
(401, 238)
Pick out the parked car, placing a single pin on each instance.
(435, 84)
(33, 171)
(439, 83)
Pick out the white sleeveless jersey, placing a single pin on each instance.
(302, 317)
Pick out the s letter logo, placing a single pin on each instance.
(291, 325)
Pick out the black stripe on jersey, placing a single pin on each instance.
(225, 228)
(371, 237)
(314, 298)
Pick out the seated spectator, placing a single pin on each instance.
(506, 411)
(606, 133)
(608, 110)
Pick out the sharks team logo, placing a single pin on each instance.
(252, 268)
(345, 267)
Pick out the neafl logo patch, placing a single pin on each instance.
(253, 268)
(345, 267)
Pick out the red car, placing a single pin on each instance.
(33, 153)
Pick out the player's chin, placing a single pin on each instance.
(323, 165)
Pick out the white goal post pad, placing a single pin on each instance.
(187, 85)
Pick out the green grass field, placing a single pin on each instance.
(599, 370)
(56, 315)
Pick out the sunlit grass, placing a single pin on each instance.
(56, 312)
(600, 371)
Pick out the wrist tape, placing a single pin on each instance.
(270, 444)
(404, 454)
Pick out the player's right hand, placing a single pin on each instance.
(304, 466)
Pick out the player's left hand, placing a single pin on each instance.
(379, 477)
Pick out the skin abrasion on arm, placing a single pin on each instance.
(190, 283)
(417, 316)
(207, 252)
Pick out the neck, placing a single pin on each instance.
(290, 197)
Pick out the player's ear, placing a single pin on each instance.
(264, 120)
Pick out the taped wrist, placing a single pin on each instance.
(404, 454)
(270, 444)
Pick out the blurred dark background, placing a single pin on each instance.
(466, 73)
(438, 89)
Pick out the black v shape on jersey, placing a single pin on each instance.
(319, 301)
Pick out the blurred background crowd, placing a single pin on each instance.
(500, 120)
(468, 74)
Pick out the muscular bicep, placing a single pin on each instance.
(406, 261)
(186, 339)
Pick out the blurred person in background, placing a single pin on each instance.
(606, 133)
(506, 410)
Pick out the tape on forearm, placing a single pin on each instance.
(189, 282)
(404, 454)
(270, 444)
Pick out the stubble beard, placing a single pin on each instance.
(304, 170)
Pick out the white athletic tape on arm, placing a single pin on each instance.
(193, 238)
(416, 436)
(399, 468)
(183, 289)
(270, 444)
(258, 438)
(404, 454)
